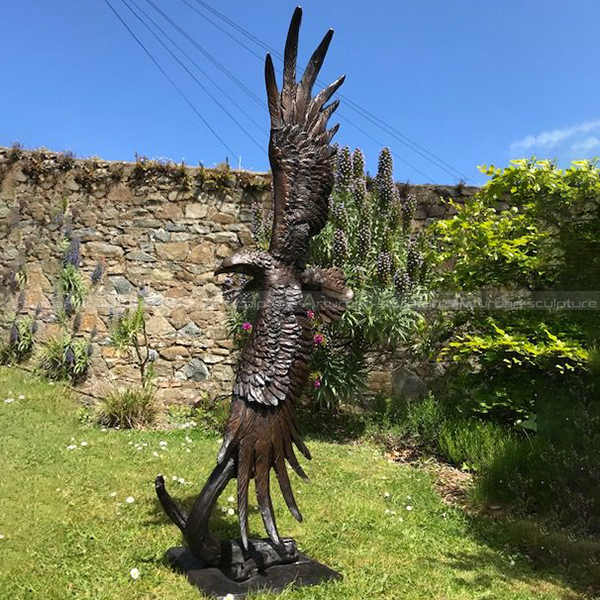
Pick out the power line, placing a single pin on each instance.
(260, 146)
(398, 135)
(175, 86)
(208, 55)
(382, 144)
(220, 28)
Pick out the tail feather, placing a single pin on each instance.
(261, 438)
(281, 471)
(171, 508)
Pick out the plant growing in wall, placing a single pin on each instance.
(67, 354)
(134, 406)
(22, 327)
(129, 334)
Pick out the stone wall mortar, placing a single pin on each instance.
(162, 227)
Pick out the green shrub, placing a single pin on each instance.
(555, 473)
(129, 334)
(20, 341)
(472, 444)
(130, 408)
(211, 413)
(65, 357)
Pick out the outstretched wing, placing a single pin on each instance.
(299, 149)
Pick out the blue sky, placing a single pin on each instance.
(471, 82)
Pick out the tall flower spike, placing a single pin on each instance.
(402, 284)
(395, 209)
(385, 266)
(21, 301)
(385, 180)
(14, 335)
(72, 255)
(358, 165)
(77, 322)
(340, 215)
(364, 238)
(97, 274)
(414, 258)
(343, 174)
(70, 356)
(340, 247)
(68, 305)
(409, 208)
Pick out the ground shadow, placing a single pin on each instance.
(525, 550)
(339, 427)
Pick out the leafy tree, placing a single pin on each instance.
(532, 227)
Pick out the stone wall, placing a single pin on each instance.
(164, 227)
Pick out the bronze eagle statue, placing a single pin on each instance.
(262, 429)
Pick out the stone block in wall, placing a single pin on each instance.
(159, 327)
(102, 249)
(173, 250)
(172, 353)
(196, 210)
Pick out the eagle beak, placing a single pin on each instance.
(224, 267)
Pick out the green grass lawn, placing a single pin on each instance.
(70, 533)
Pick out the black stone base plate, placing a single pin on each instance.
(212, 582)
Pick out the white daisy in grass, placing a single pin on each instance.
(1, 536)
(386, 495)
(130, 499)
(134, 573)
(71, 447)
(230, 499)
(9, 401)
(409, 508)
(230, 511)
(113, 494)
(155, 453)
(84, 443)
(162, 443)
(21, 397)
(229, 597)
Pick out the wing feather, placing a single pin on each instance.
(299, 150)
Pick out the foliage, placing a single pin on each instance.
(67, 354)
(20, 342)
(22, 327)
(532, 227)
(369, 236)
(146, 169)
(130, 408)
(210, 413)
(555, 472)
(129, 334)
(64, 356)
(547, 233)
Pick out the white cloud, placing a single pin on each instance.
(586, 145)
(553, 138)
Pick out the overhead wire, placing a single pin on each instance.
(394, 132)
(169, 79)
(207, 54)
(191, 74)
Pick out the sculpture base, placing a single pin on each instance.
(213, 582)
